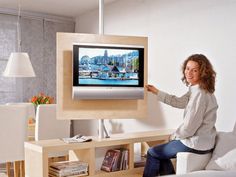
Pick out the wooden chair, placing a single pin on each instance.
(13, 134)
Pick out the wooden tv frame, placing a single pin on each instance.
(67, 108)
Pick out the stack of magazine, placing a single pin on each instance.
(77, 139)
(115, 160)
(68, 169)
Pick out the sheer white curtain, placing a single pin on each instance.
(8, 35)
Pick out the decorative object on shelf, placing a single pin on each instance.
(41, 98)
(19, 64)
(115, 160)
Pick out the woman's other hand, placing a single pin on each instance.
(152, 89)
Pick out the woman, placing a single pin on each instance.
(197, 132)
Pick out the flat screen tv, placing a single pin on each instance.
(108, 71)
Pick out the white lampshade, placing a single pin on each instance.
(19, 65)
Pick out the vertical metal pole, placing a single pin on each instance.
(101, 17)
(101, 32)
(101, 128)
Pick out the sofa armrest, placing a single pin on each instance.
(188, 162)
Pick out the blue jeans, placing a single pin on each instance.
(158, 158)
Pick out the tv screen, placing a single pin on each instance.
(108, 65)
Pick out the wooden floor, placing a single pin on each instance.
(134, 175)
(3, 169)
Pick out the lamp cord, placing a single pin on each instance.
(19, 27)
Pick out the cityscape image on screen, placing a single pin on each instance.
(108, 66)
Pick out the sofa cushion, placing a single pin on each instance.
(220, 160)
(188, 162)
(228, 161)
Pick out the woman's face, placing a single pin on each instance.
(192, 73)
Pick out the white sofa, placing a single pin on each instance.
(207, 173)
(220, 163)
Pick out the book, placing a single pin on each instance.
(115, 160)
(83, 174)
(68, 168)
(110, 160)
(69, 165)
(67, 172)
(77, 139)
(119, 163)
(76, 175)
(125, 163)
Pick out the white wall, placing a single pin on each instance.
(175, 30)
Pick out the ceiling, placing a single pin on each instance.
(65, 8)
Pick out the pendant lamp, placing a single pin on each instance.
(19, 64)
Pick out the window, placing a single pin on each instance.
(38, 39)
(7, 45)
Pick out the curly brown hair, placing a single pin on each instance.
(207, 73)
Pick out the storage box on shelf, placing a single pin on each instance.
(36, 153)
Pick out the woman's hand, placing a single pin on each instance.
(152, 89)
